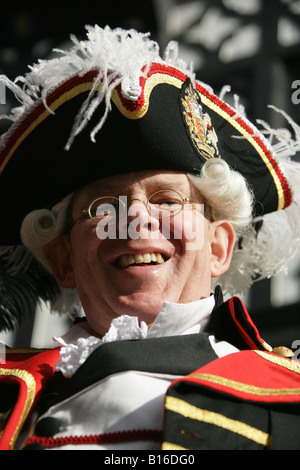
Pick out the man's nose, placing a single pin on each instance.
(138, 221)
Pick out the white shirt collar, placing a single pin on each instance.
(173, 319)
(177, 319)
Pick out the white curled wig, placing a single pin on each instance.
(42, 226)
(39, 228)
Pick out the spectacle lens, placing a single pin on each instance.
(108, 208)
(165, 203)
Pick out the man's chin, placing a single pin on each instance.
(145, 307)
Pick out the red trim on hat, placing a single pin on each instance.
(40, 108)
(155, 68)
(132, 106)
(231, 112)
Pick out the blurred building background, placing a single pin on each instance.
(251, 45)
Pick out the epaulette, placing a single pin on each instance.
(203, 410)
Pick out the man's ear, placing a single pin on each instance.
(58, 253)
(222, 240)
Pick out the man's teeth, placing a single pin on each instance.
(146, 258)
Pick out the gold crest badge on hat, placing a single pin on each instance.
(199, 124)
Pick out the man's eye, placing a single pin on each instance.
(165, 202)
(169, 202)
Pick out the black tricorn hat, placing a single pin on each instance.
(152, 113)
(173, 125)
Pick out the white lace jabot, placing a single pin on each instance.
(78, 343)
(173, 319)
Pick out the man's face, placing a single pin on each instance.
(108, 284)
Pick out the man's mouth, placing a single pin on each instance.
(139, 259)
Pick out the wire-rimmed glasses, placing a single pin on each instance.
(164, 203)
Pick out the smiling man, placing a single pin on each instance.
(160, 194)
(115, 276)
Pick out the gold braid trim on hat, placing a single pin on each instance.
(233, 121)
(69, 94)
(151, 82)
